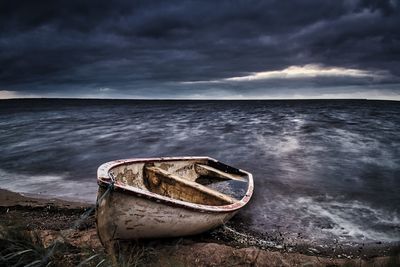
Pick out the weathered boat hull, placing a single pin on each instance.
(131, 212)
(137, 218)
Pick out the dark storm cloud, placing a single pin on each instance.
(148, 48)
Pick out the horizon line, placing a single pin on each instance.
(195, 99)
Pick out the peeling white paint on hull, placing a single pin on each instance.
(142, 218)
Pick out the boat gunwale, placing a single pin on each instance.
(104, 180)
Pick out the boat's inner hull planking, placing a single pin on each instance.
(199, 181)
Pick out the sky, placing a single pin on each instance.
(273, 49)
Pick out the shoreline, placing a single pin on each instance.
(51, 218)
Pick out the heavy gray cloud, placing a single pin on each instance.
(154, 48)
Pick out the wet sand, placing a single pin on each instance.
(53, 219)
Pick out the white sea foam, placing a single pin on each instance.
(350, 220)
(326, 218)
(49, 185)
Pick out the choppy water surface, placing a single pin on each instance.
(322, 169)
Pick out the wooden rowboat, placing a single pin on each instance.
(166, 197)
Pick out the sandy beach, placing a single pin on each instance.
(46, 220)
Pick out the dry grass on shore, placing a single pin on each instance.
(19, 247)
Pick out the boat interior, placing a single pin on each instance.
(201, 181)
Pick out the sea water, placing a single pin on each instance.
(323, 169)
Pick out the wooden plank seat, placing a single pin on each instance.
(210, 171)
(171, 185)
